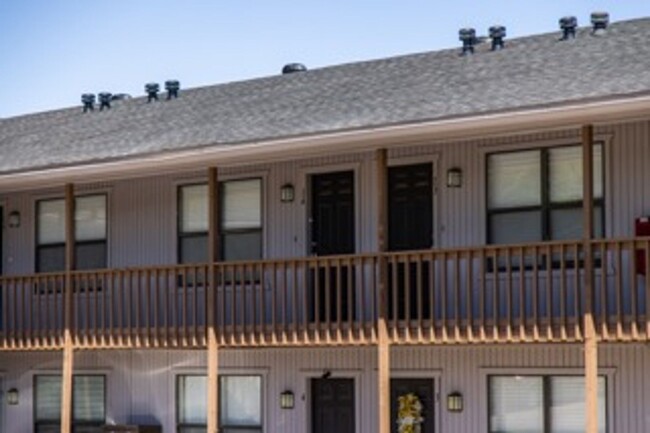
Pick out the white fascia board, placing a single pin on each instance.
(358, 140)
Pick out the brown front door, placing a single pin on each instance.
(332, 405)
(423, 388)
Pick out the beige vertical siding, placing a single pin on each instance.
(143, 212)
(141, 383)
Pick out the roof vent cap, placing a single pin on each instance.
(152, 90)
(172, 87)
(105, 100)
(120, 97)
(568, 26)
(291, 68)
(88, 99)
(497, 34)
(599, 20)
(468, 37)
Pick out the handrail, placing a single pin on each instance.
(490, 293)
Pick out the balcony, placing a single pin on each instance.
(517, 293)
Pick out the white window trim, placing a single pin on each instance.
(222, 371)
(197, 180)
(103, 371)
(78, 192)
(608, 372)
(484, 150)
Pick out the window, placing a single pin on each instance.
(536, 195)
(240, 400)
(241, 221)
(88, 403)
(90, 233)
(546, 404)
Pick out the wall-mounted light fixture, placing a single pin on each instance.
(455, 402)
(287, 193)
(12, 396)
(454, 178)
(287, 400)
(13, 220)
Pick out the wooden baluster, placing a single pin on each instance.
(509, 294)
(563, 294)
(522, 294)
(633, 292)
(604, 303)
(549, 292)
(619, 291)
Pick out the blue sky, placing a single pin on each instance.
(52, 51)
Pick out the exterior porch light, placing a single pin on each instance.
(12, 396)
(14, 219)
(454, 178)
(287, 400)
(287, 193)
(455, 402)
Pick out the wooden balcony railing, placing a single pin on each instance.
(518, 293)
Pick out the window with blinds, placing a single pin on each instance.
(545, 404)
(240, 221)
(88, 403)
(536, 195)
(240, 398)
(90, 233)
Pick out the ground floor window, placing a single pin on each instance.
(240, 398)
(88, 403)
(548, 404)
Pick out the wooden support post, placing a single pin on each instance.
(213, 256)
(590, 348)
(383, 352)
(68, 350)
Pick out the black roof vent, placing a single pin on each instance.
(120, 97)
(599, 20)
(468, 37)
(172, 87)
(290, 68)
(105, 101)
(568, 26)
(88, 99)
(152, 90)
(497, 34)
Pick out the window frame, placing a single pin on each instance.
(77, 244)
(546, 206)
(546, 374)
(180, 235)
(260, 374)
(55, 423)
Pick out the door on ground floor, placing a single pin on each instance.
(332, 405)
(424, 390)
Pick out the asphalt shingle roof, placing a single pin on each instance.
(531, 72)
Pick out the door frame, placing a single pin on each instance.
(434, 160)
(304, 185)
(357, 378)
(436, 376)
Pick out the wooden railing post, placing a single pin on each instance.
(68, 350)
(213, 256)
(383, 342)
(591, 348)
